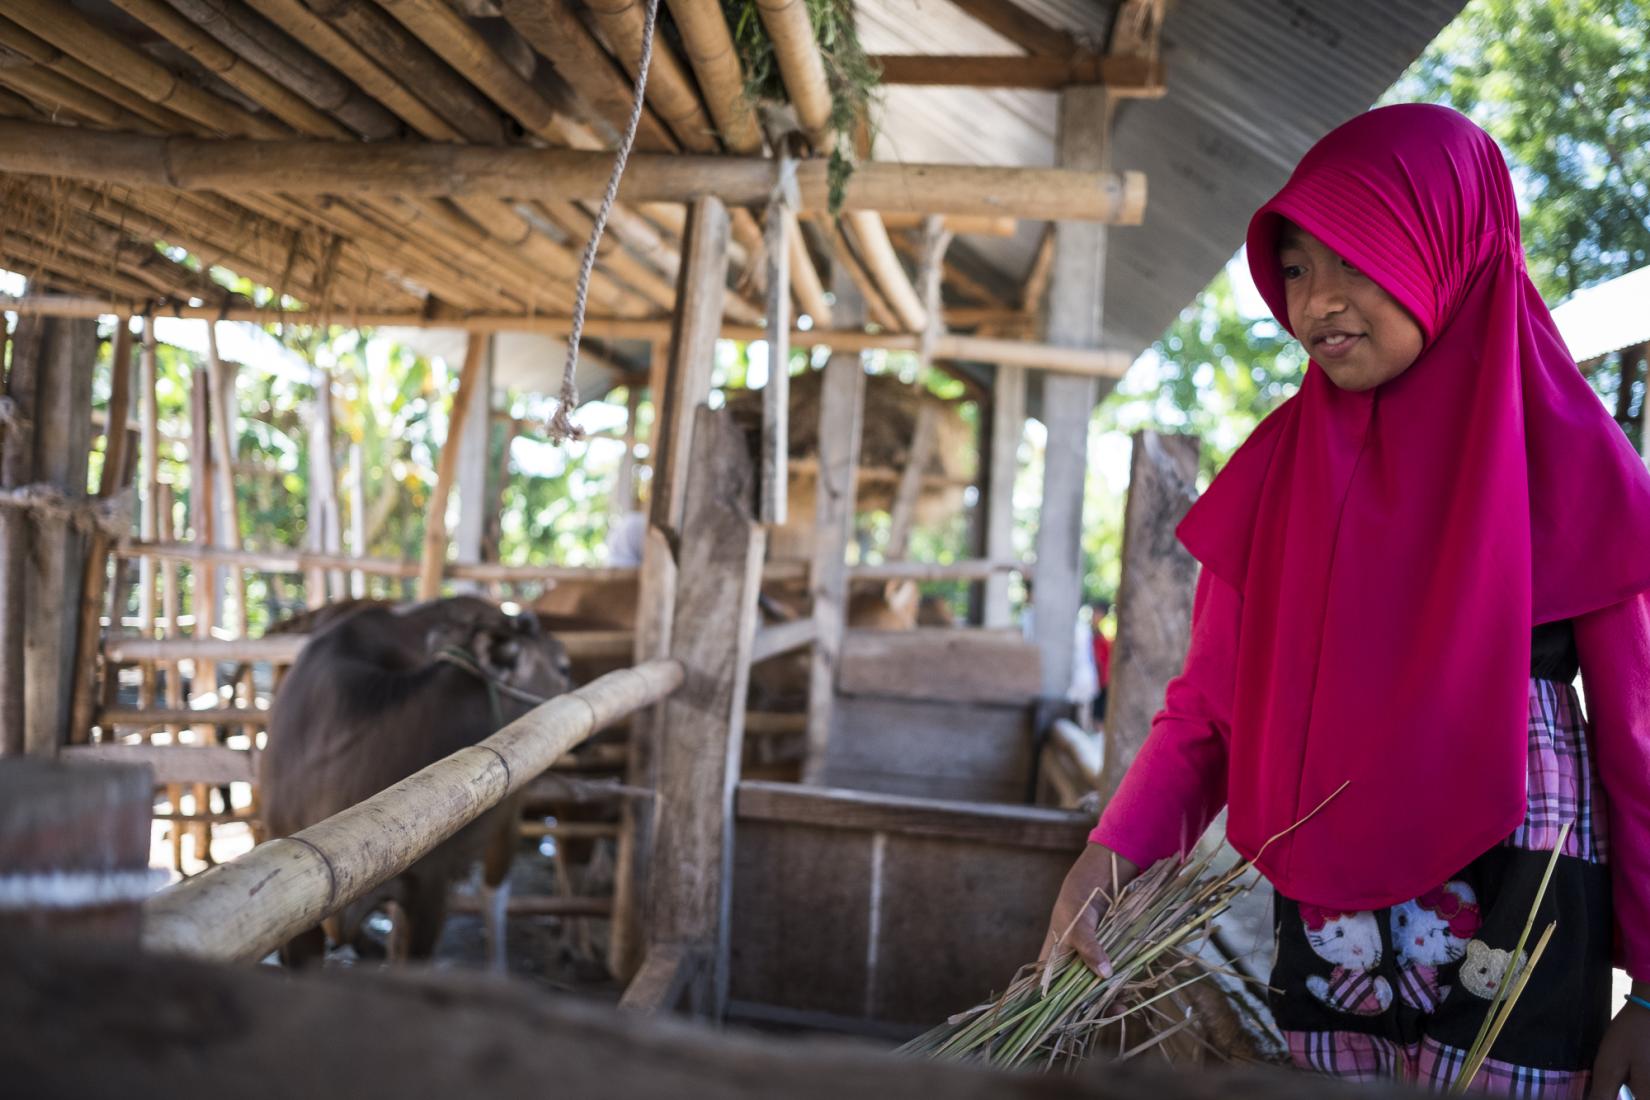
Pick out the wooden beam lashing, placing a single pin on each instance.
(1154, 600)
(434, 562)
(523, 173)
(720, 575)
(1124, 77)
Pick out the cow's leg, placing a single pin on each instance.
(425, 906)
(305, 949)
(495, 884)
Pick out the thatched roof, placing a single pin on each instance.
(1249, 86)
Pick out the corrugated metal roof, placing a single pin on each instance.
(1251, 85)
(1606, 317)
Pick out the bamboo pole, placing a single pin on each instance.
(203, 578)
(710, 50)
(670, 91)
(69, 75)
(435, 519)
(300, 167)
(1098, 362)
(94, 584)
(148, 514)
(227, 521)
(877, 253)
(243, 909)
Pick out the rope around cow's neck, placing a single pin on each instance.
(466, 660)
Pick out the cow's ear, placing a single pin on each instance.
(528, 623)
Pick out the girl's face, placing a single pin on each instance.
(1354, 330)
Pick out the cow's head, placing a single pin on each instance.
(516, 651)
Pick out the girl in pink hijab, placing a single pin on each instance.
(1404, 569)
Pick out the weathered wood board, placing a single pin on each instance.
(863, 912)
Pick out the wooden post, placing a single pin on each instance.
(94, 585)
(434, 562)
(203, 575)
(325, 532)
(226, 523)
(683, 385)
(16, 471)
(74, 848)
(1075, 293)
(357, 489)
(473, 503)
(1154, 600)
(623, 497)
(721, 573)
(841, 414)
(56, 562)
(903, 515)
(148, 475)
(1008, 414)
(774, 476)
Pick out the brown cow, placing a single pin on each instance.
(371, 700)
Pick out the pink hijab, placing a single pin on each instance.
(1395, 547)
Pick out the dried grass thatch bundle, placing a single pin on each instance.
(1160, 996)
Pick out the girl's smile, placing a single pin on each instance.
(1351, 327)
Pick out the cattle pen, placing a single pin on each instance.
(807, 822)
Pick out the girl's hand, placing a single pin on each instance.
(1091, 885)
(1624, 1055)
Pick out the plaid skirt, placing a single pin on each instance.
(1399, 993)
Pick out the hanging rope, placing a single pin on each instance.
(561, 426)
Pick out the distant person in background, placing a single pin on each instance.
(1100, 643)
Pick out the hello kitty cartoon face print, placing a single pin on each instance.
(1433, 929)
(1352, 943)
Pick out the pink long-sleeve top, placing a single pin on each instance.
(1177, 784)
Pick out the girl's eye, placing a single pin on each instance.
(1292, 271)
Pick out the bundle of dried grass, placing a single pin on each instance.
(1160, 994)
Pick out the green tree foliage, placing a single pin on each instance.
(1564, 86)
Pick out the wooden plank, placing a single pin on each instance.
(658, 986)
(149, 717)
(1075, 293)
(952, 664)
(720, 576)
(55, 565)
(1008, 413)
(919, 748)
(701, 285)
(226, 522)
(771, 641)
(434, 561)
(1036, 827)
(773, 478)
(474, 505)
(1123, 77)
(213, 764)
(16, 470)
(841, 415)
(970, 569)
(1154, 600)
(276, 649)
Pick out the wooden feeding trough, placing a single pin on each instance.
(435, 165)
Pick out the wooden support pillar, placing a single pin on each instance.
(1008, 415)
(1154, 600)
(203, 576)
(434, 562)
(841, 415)
(148, 475)
(94, 584)
(55, 565)
(1075, 292)
(16, 471)
(356, 478)
(224, 411)
(774, 476)
(323, 484)
(908, 492)
(681, 386)
(720, 575)
(474, 506)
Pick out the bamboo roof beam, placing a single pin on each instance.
(670, 91)
(358, 67)
(13, 105)
(78, 75)
(54, 94)
(1124, 77)
(416, 65)
(81, 38)
(233, 70)
(441, 29)
(316, 167)
(98, 244)
(291, 62)
(709, 47)
(503, 221)
(30, 259)
(555, 30)
(876, 306)
(962, 226)
(1098, 362)
(877, 253)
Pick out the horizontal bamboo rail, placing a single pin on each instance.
(297, 561)
(923, 571)
(279, 649)
(524, 173)
(242, 910)
(132, 718)
(1092, 362)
